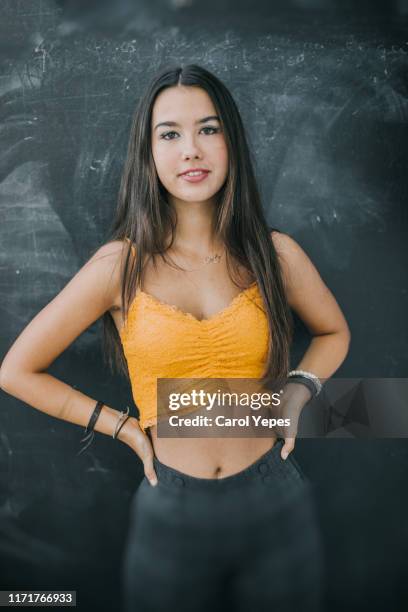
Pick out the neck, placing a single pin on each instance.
(195, 231)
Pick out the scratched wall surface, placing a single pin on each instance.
(323, 91)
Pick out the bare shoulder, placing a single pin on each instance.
(296, 266)
(284, 243)
(293, 259)
(107, 264)
(109, 253)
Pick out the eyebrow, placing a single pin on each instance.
(175, 124)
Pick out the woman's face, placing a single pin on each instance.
(189, 142)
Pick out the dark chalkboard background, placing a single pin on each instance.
(323, 90)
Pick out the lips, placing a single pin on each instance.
(195, 178)
(202, 170)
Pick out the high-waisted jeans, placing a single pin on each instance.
(249, 542)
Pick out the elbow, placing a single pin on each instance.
(14, 375)
(3, 384)
(5, 378)
(343, 333)
(8, 377)
(346, 336)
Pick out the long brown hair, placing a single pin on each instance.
(144, 217)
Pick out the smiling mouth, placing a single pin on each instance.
(195, 173)
(194, 177)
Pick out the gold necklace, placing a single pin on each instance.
(209, 259)
(212, 258)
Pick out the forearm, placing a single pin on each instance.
(54, 397)
(323, 357)
(325, 354)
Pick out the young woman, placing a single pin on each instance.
(193, 284)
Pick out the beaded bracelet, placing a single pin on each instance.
(311, 381)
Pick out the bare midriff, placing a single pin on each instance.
(209, 457)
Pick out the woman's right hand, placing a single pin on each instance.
(132, 435)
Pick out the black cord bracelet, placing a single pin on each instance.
(89, 430)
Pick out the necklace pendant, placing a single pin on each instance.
(212, 258)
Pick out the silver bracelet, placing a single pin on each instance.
(312, 377)
(123, 415)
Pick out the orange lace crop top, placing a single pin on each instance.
(161, 341)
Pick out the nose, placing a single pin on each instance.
(190, 149)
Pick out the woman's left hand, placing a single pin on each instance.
(293, 398)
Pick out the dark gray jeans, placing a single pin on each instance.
(249, 542)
